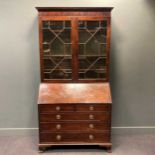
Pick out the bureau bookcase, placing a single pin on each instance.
(74, 96)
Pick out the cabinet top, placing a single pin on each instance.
(53, 93)
(84, 9)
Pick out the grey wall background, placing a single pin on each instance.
(132, 61)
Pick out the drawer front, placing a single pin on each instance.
(99, 116)
(75, 137)
(43, 108)
(93, 107)
(73, 126)
(73, 107)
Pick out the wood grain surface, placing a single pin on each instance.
(54, 93)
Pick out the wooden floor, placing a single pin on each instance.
(122, 145)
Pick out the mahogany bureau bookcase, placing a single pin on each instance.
(74, 102)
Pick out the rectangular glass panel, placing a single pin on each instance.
(92, 49)
(57, 49)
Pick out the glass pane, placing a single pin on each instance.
(101, 35)
(46, 24)
(48, 63)
(81, 24)
(56, 25)
(48, 36)
(58, 74)
(67, 24)
(83, 63)
(81, 49)
(57, 49)
(92, 25)
(65, 36)
(66, 64)
(104, 23)
(84, 36)
(92, 49)
(67, 49)
(57, 67)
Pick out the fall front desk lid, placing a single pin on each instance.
(53, 93)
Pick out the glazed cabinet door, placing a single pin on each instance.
(56, 55)
(74, 49)
(93, 50)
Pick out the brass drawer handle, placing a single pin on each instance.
(58, 137)
(91, 116)
(91, 108)
(58, 108)
(91, 137)
(58, 126)
(58, 116)
(91, 126)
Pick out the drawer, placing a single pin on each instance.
(73, 126)
(93, 107)
(44, 108)
(77, 116)
(75, 137)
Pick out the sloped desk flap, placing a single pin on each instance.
(54, 93)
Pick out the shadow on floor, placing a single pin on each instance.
(72, 148)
